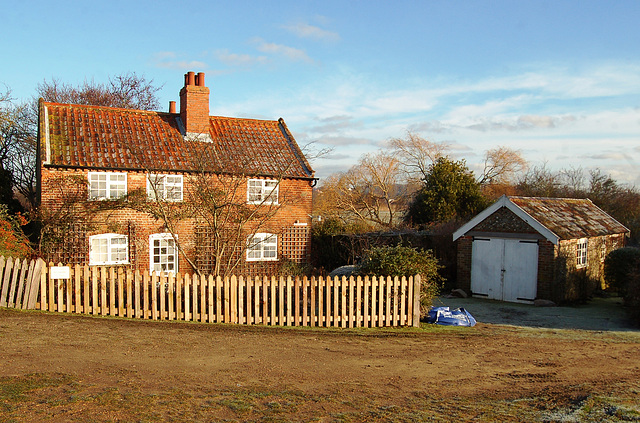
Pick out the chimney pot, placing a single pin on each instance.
(172, 107)
(200, 79)
(191, 76)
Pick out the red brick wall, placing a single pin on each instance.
(194, 108)
(546, 269)
(504, 220)
(294, 195)
(464, 246)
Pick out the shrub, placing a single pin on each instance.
(632, 296)
(287, 267)
(405, 261)
(622, 273)
(619, 266)
(13, 242)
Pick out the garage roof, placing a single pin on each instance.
(554, 218)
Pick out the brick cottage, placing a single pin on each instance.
(172, 191)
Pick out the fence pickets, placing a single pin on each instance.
(284, 301)
(20, 282)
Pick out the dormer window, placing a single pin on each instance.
(107, 185)
(164, 187)
(262, 191)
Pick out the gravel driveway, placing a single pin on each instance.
(599, 314)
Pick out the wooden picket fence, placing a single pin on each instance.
(20, 282)
(285, 301)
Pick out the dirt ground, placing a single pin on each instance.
(74, 368)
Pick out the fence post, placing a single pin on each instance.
(34, 283)
(416, 301)
(43, 288)
(14, 280)
(4, 282)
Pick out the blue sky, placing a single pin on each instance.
(558, 80)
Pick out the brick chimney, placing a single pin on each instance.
(194, 104)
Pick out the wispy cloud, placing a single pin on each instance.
(344, 141)
(291, 53)
(171, 60)
(304, 30)
(235, 59)
(335, 124)
(544, 114)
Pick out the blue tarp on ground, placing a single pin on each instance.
(456, 317)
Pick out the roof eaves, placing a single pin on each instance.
(504, 201)
(296, 149)
(628, 231)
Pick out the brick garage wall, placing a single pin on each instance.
(504, 220)
(464, 246)
(577, 285)
(295, 211)
(546, 269)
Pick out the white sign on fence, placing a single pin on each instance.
(60, 272)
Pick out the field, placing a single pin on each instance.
(74, 368)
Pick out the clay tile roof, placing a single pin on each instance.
(570, 218)
(111, 138)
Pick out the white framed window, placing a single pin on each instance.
(262, 191)
(581, 253)
(164, 187)
(163, 253)
(107, 185)
(108, 249)
(262, 247)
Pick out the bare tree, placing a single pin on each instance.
(128, 90)
(17, 151)
(372, 193)
(502, 165)
(417, 154)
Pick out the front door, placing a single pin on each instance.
(504, 269)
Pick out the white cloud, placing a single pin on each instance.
(170, 60)
(235, 59)
(344, 141)
(304, 30)
(535, 112)
(290, 53)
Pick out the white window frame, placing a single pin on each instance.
(262, 247)
(112, 243)
(262, 191)
(163, 187)
(582, 253)
(152, 264)
(112, 185)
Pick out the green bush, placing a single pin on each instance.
(619, 266)
(405, 261)
(632, 296)
(622, 273)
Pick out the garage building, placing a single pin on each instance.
(523, 248)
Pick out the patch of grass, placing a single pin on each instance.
(59, 398)
(236, 404)
(16, 389)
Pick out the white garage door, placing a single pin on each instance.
(504, 269)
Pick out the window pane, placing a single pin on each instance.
(164, 256)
